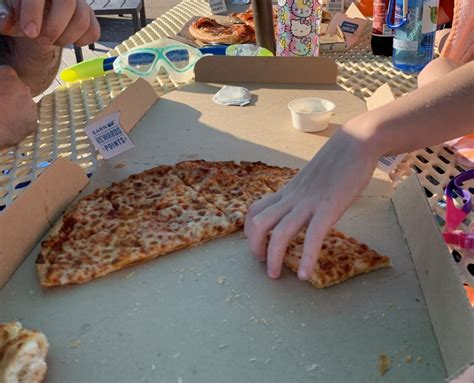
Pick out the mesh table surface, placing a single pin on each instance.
(64, 113)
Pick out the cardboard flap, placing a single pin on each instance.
(24, 222)
(280, 70)
(450, 311)
(383, 95)
(354, 12)
(133, 102)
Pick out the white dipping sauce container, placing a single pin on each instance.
(311, 114)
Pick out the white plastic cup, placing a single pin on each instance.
(311, 114)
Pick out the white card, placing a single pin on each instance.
(388, 163)
(108, 136)
(217, 6)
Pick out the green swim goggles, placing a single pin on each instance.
(177, 59)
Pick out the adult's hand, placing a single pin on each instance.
(56, 22)
(317, 197)
(17, 108)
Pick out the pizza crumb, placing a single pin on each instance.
(278, 341)
(311, 367)
(302, 324)
(267, 361)
(177, 355)
(384, 364)
(220, 280)
(419, 359)
(129, 275)
(74, 343)
(408, 359)
(252, 359)
(120, 165)
(221, 346)
(32, 292)
(274, 347)
(228, 299)
(153, 367)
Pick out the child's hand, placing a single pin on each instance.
(318, 196)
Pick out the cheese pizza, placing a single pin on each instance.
(168, 208)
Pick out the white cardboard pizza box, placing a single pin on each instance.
(171, 319)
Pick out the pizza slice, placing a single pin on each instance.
(22, 354)
(341, 258)
(136, 220)
(210, 31)
(247, 18)
(227, 185)
(275, 177)
(80, 253)
(141, 191)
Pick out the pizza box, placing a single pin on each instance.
(331, 42)
(210, 314)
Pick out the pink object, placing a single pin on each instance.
(298, 27)
(463, 147)
(459, 45)
(454, 216)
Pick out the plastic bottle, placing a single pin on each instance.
(382, 36)
(415, 28)
(366, 7)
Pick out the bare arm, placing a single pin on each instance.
(332, 180)
(434, 113)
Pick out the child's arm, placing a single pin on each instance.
(327, 186)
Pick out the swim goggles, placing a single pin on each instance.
(178, 60)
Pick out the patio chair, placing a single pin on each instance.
(136, 8)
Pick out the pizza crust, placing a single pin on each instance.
(22, 354)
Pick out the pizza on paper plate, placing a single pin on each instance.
(248, 19)
(210, 31)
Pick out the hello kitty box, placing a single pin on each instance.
(298, 27)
